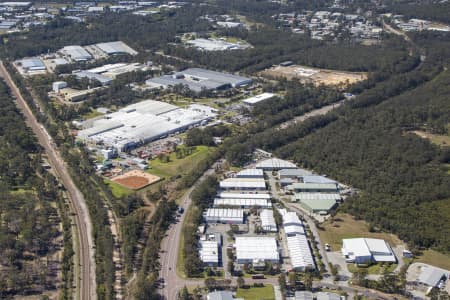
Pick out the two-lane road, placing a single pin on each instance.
(86, 284)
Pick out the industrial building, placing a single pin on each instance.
(93, 76)
(216, 45)
(242, 203)
(224, 195)
(268, 221)
(363, 251)
(114, 70)
(297, 243)
(209, 253)
(243, 184)
(317, 179)
(224, 215)
(292, 173)
(301, 187)
(197, 80)
(431, 276)
(58, 85)
(255, 250)
(275, 164)
(76, 53)
(327, 296)
(116, 48)
(221, 295)
(250, 173)
(299, 197)
(141, 123)
(258, 99)
(303, 295)
(31, 65)
(318, 206)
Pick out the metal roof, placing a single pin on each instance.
(258, 98)
(300, 252)
(431, 276)
(242, 202)
(256, 248)
(32, 63)
(303, 295)
(224, 213)
(244, 195)
(77, 53)
(319, 204)
(294, 172)
(267, 220)
(313, 186)
(117, 47)
(220, 295)
(275, 164)
(250, 172)
(209, 252)
(327, 296)
(317, 179)
(243, 183)
(317, 196)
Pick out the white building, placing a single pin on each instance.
(243, 184)
(431, 276)
(250, 173)
(224, 215)
(366, 251)
(58, 85)
(275, 164)
(258, 99)
(242, 203)
(327, 296)
(209, 253)
(268, 221)
(256, 250)
(224, 195)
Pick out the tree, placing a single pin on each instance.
(210, 283)
(184, 294)
(240, 282)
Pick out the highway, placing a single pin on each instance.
(85, 284)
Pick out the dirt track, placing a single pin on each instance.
(86, 284)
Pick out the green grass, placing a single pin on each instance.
(344, 227)
(178, 166)
(437, 139)
(91, 114)
(375, 269)
(257, 293)
(435, 258)
(117, 190)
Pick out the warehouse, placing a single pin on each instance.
(209, 253)
(299, 197)
(364, 251)
(216, 45)
(256, 250)
(244, 195)
(318, 206)
(114, 70)
(141, 123)
(243, 184)
(258, 99)
(303, 295)
(268, 221)
(224, 215)
(301, 187)
(93, 76)
(297, 243)
(198, 80)
(31, 64)
(432, 276)
(242, 203)
(76, 53)
(317, 179)
(292, 173)
(275, 164)
(327, 296)
(116, 48)
(250, 173)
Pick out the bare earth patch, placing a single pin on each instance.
(315, 75)
(136, 179)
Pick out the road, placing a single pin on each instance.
(86, 284)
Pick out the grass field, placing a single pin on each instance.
(92, 114)
(257, 293)
(117, 190)
(178, 166)
(344, 226)
(373, 269)
(437, 139)
(435, 258)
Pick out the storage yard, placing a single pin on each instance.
(136, 179)
(315, 75)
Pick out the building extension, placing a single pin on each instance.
(364, 251)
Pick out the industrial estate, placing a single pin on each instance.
(221, 150)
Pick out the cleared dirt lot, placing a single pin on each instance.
(315, 75)
(136, 179)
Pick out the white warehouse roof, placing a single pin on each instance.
(327, 296)
(376, 249)
(244, 195)
(209, 252)
(317, 196)
(77, 53)
(300, 252)
(242, 202)
(117, 47)
(243, 183)
(267, 220)
(250, 173)
(256, 248)
(259, 98)
(224, 215)
(275, 164)
(431, 276)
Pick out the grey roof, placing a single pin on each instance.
(77, 53)
(198, 79)
(303, 295)
(30, 63)
(328, 296)
(294, 172)
(85, 74)
(117, 47)
(431, 276)
(317, 179)
(220, 295)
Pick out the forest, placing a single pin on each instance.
(30, 212)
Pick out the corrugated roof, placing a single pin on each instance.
(256, 248)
